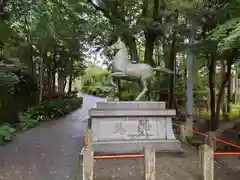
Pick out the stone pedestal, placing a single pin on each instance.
(126, 127)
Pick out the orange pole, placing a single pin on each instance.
(227, 153)
(225, 142)
(88, 139)
(120, 156)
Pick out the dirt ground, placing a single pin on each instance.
(168, 167)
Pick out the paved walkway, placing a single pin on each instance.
(48, 152)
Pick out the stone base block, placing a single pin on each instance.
(129, 147)
(131, 105)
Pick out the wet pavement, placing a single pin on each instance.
(48, 152)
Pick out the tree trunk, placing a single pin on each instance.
(49, 81)
(149, 47)
(40, 82)
(54, 70)
(33, 69)
(215, 125)
(229, 93)
(223, 102)
(163, 94)
(70, 76)
(70, 84)
(130, 42)
(61, 82)
(211, 79)
(150, 38)
(171, 66)
(41, 73)
(53, 81)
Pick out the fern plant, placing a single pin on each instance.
(7, 133)
(26, 122)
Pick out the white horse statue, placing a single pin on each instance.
(122, 68)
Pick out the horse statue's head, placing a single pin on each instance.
(118, 45)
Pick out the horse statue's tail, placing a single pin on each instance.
(164, 70)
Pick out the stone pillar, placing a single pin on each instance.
(149, 163)
(206, 162)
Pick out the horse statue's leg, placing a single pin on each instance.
(116, 75)
(112, 82)
(144, 90)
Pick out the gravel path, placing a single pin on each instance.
(48, 152)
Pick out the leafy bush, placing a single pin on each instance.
(233, 114)
(95, 81)
(49, 110)
(61, 95)
(100, 91)
(126, 96)
(27, 122)
(6, 133)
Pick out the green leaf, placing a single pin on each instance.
(6, 32)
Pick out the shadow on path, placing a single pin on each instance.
(48, 152)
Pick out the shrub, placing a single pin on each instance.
(127, 96)
(231, 115)
(99, 91)
(27, 122)
(6, 133)
(61, 95)
(49, 110)
(234, 113)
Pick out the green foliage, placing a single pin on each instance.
(27, 121)
(8, 70)
(94, 74)
(7, 133)
(99, 91)
(95, 81)
(16, 96)
(6, 32)
(227, 34)
(234, 113)
(59, 33)
(49, 110)
(38, 34)
(126, 96)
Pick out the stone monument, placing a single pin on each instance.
(126, 127)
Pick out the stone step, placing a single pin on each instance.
(131, 105)
(131, 146)
(95, 112)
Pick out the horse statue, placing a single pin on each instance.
(123, 69)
